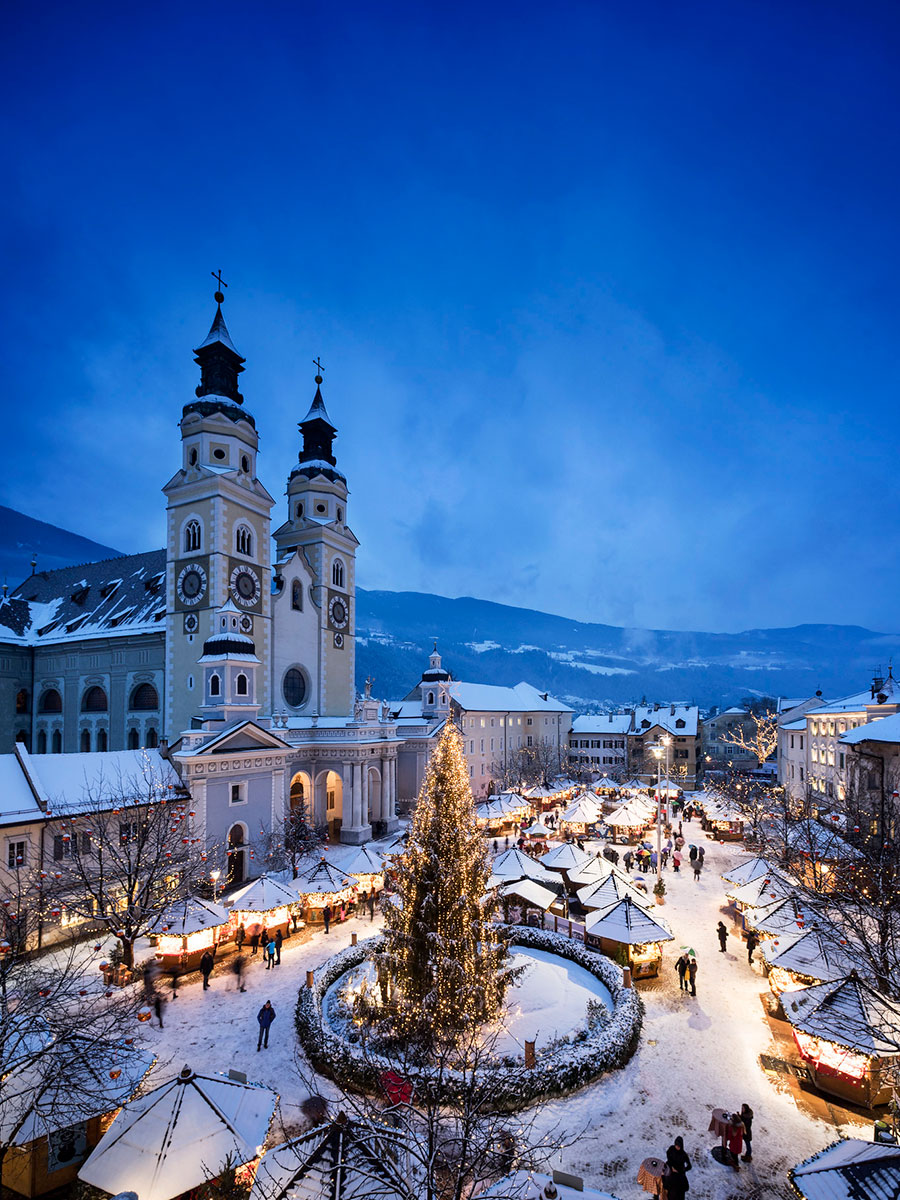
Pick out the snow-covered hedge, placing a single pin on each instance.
(557, 1071)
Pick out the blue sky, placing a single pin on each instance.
(606, 294)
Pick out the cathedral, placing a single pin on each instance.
(230, 652)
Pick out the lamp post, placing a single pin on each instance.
(214, 876)
(658, 751)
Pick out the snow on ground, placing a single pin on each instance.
(694, 1055)
(548, 1001)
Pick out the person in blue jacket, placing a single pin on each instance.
(265, 1017)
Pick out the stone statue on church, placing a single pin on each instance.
(358, 708)
(369, 681)
(385, 711)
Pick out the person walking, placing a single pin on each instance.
(174, 976)
(270, 954)
(676, 861)
(654, 861)
(681, 966)
(240, 936)
(747, 1119)
(698, 867)
(159, 1003)
(372, 905)
(326, 916)
(700, 854)
(752, 943)
(664, 857)
(237, 968)
(692, 853)
(722, 935)
(254, 944)
(207, 962)
(735, 1139)
(263, 939)
(692, 974)
(265, 1017)
(628, 859)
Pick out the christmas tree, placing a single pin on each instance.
(444, 961)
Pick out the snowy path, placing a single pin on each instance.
(695, 1054)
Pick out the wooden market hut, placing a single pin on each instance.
(722, 821)
(580, 814)
(627, 823)
(514, 864)
(498, 814)
(564, 858)
(848, 1034)
(366, 866)
(759, 892)
(324, 886)
(750, 869)
(182, 1134)
(814, 956)
(626, 930)
(531, 895)
(189, 928)
(604, 892)
(538, 830)
(786, 916)
(266, 903)
(850, 1169)
(57, 1104)
(590, 872)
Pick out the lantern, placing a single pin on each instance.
(114, 1074)
(144, 1014)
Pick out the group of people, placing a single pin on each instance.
(739, 1137)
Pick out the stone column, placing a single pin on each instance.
(355, 827)
(364, 797)
(197, 788)
(389, 795)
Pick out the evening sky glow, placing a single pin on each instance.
(606, 294)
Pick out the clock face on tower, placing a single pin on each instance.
(191, 584)
(338, 613)
(245, 588)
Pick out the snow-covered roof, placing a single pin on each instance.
(607, 784)
(191, 915)
(850, 1169)
(262, 895)
(603, 723)
(341, 1160)
(583, 810)
(627, 817)
(362, 860)
(761, 890)
(70, 782)
(627, 921)
(507, 804)
(67, 1083)
(180, 1134)
(218, 332)
(750, 869)
(813, 954)
(489, 697)
(565, 857)
(681, 720)
(635, 785)
(590, 872)
(113, 598)
(884, 729)
(531, 893)
(848, 1012)
(605, 892)
(513, 864)
(531, 1185)
(18, 803)
(538, 829)
(787, 915)
(322, 879)
(819, 842)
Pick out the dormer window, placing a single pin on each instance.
(679, 724)
(243, 540)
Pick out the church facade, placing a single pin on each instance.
(232, 650)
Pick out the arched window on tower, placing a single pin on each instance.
(297, 595)
(56, 742)
(94, 700)
(192, 536)
(22, 701)
(299, 509)
(42, 742)
(134, 741)
(152, 738)
(214, 685)
(102, 741)
(243, 540)
(431, 697)
(85, 741)
(337, 573)
(241, 684)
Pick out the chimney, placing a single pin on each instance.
(672, 710)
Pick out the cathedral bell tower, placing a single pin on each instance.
(317, 527)
(218, 530)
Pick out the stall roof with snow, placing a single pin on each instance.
(627, 817)
(813, 954)
(848, 1012)
(362, 860)
(531, 892)
(180, 1134)
(628, 922)
(514, 864)
(191, 915)
(262, 895)
(750, 869)
(565, 857)
(582, 811)
(322, 879)
(760, 891)
(850, 1169)
(615, 886)
(784, 916)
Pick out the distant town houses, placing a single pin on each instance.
(633, 735)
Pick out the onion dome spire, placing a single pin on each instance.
(219, 362)
(319, 432)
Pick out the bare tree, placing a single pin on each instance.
(530, 766)
(762, 738)
(125, 850)
(290, 843)
(62, 1046)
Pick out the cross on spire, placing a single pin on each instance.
(217, 275)
(319, 368)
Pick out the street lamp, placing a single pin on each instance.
(214, 876)
(659, 750)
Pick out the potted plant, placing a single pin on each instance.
(659, 891)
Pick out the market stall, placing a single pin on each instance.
(538, 831)
(530, 895)
(579, 815)
(324, 886)
(848, 1034)
(787, 916)
(515, 864)
(809, 958)
(628, 932)
(180, 1135)
(627, 823)
(366, 866)
(564, 858)
(748, 870)
(499, 814)
(263, 904)
(759, 892)
(188, 929)
(602, 893)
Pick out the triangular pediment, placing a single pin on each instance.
(240, 738)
